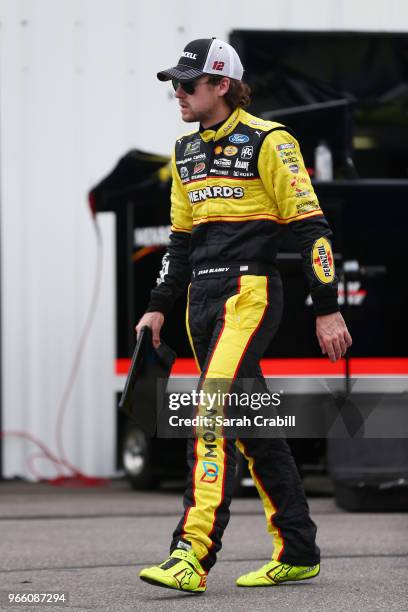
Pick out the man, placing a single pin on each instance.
(237, 181)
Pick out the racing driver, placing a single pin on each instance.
(237, 181)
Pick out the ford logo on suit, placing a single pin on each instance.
(238, 138)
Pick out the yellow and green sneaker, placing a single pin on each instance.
(181, 571)
(275, 572)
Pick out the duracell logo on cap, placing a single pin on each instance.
(189, 55)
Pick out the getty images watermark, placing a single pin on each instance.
(210, 404)
(210, 400)
(293, 408)
(225, 408)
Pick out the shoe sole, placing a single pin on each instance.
(167, 586)
(259, 586)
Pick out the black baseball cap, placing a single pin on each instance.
(205, 56)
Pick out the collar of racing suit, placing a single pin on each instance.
(222, 129)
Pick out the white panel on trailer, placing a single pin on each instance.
(49, 127)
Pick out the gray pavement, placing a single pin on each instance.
(92, 542)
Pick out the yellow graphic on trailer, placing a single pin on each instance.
(323, 261)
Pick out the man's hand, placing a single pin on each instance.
(154, 320)
(333, 335)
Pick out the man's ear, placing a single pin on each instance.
(224, 85)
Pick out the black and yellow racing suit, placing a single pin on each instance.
(234, 188)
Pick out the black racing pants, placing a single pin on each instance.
(231, 321)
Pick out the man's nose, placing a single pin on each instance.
(180, 93)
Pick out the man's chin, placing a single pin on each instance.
(188, 117)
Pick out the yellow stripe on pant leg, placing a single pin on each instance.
(209, 479)
(269, 507)
(243, 315)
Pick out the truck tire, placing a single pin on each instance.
(137, 459)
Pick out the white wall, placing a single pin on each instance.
(77, 90)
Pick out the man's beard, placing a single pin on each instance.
(195, 117)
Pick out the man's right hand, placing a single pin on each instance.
(154, 320)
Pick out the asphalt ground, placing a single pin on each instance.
(91, 543)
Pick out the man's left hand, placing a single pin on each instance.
(333, 335)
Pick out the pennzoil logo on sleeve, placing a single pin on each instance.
(323, 261)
